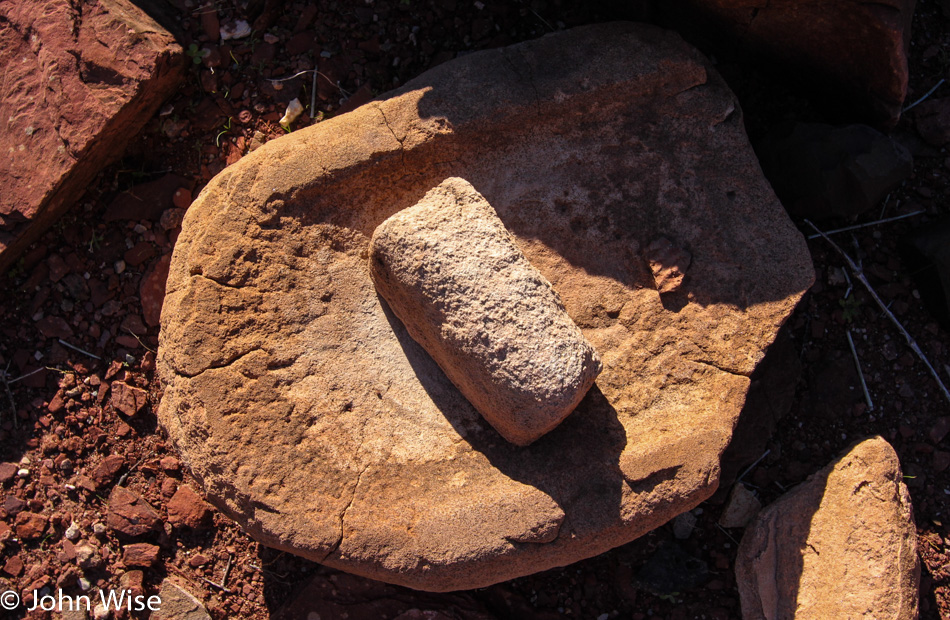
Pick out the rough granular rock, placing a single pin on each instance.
(309, 415)
(465, 292)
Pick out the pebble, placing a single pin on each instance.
(23, 473)
(101, 612)
(99, 529)
(683, 525)
(72, 532)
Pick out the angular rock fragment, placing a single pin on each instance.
(453, 275)
(822, 171)
(79, 82)
(841, 545)
(131, 515)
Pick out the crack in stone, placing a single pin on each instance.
(721, 368)
(402, 147)
(339, 541)
(529, 78)
(228, 362)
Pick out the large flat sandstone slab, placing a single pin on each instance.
(79, 80)
(312, 418)
(841, 545)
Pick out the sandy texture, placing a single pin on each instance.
(311, 417)
(455, 278)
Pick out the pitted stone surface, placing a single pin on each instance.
(310, 416)
(464, 291)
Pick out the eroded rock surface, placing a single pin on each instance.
(310, 416)
(80, 80)
(466, 293)
(841, 545)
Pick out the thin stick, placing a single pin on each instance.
(910, 339)
(6, 386)
(921, 100)
(874, 223)
(752, 466)
(29, 374)
(217, 585)
(227, 571)
(313, 93)
(727, 534)
(857, 364)
(136, 336)
(75, 348)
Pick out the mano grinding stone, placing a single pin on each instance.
(453, 275)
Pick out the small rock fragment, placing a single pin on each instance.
(453, 275)
(292, 113)
(30, 525)
(128, 399)
(7, 472)
(131, 515)
(178, 604)
(187, 508)
(235, 30)
(142, 555)
(741, 507)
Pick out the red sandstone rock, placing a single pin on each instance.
(142, 555)
(127, 399)
(858, 47)
(79, 83)
(107, 469)
(129, 514)
(187, 508)
(30, 525)
(152, 290)
(841, 545)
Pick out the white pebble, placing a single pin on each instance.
(23, 473)
(72, 532)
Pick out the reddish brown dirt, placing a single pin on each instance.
(82, 429)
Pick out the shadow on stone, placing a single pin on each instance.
(587, 465)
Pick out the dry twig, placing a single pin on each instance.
(857, 364)
(752, 466)
(927, 94)
(75, 348)
(910, 339)
(6, 386)
(865, 225)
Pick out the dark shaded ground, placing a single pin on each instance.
(82, 285)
